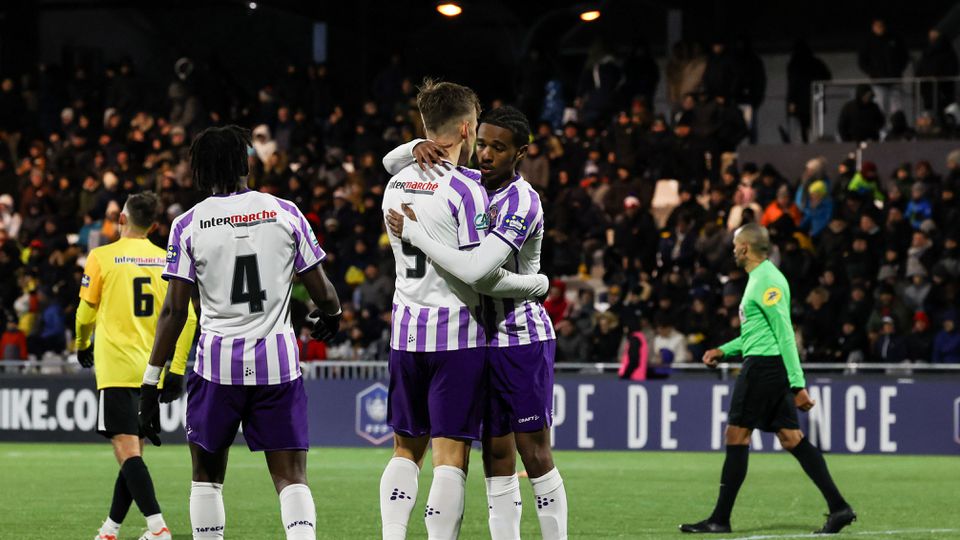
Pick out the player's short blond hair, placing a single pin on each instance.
(443, 105)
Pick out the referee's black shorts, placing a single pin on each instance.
(117, 413)
(762, 398)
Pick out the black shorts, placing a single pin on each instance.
(117, 413)
(762, 398)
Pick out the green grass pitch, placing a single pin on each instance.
(64, 490)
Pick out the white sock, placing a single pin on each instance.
(110, 527)
(444, 510)
(503, 499)
(551, 505)
(155, 522)
(298, 513)
(398, 494)
(207, 517)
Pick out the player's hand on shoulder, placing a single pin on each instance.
(429, 155)
(803, 401)
(149, 416)
(395, 222)
(326, 326)
(712, 357)
(172, 387)
(85, 357)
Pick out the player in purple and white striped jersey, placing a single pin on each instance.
(521, 349)
(238, 252)
(437, 349)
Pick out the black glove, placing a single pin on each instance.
(172, 387)
(150, 413)
(85, 357)
(326, 326)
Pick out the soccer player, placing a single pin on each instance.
(120, 294)
(437, 350)
(239, 250)
(770, 387)
(521, 348)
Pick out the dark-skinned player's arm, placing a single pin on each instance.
(173, 316)
(172, 387)
(324, 296)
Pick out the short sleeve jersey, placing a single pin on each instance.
(432, 310)
(122, 280)
(242, 250)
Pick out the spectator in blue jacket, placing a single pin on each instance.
(919, 208)
(817, 208)
(946, 346)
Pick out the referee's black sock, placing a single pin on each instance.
(734, 471)
(140, 485)
(811, 459)
(121, 499)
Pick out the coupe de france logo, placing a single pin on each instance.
(371, 419)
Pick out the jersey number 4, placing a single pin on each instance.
(246, 284)
(419, 261)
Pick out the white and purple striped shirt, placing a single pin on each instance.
(516, 217)
(242, 251)
(433, 310)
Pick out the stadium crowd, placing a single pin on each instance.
(873, 256)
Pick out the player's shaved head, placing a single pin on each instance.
(444, 105)
(755, 236)
(142, 209)
(218, 157)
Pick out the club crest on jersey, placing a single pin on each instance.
(481, 222)
(515, 223)
(771, 296)
(371, 414)
(417, 187)
(85, 281)
(173, 254)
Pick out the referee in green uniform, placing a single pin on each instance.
(770, 387)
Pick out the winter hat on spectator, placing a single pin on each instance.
(6, 200)
(889, 320)
(818, 187)
(869, 169)
(921, 316)
(628, 202)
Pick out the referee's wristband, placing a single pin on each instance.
(152, 375)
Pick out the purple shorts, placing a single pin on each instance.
(274, 416)
(521, 388)
(437, 393)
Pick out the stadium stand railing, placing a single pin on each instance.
(377, 370)
(903, 93)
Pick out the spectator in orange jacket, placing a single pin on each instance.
(13, 344)
(782, 205)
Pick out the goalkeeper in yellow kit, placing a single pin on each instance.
(120, 295)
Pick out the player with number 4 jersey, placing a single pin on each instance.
(239, 251)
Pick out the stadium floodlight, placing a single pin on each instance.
(590, 15)
(449, 9)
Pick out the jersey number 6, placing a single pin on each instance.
(246, 284)
(142, 301)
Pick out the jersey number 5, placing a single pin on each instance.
(420, 261)
(246, 284)
(142, 301)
